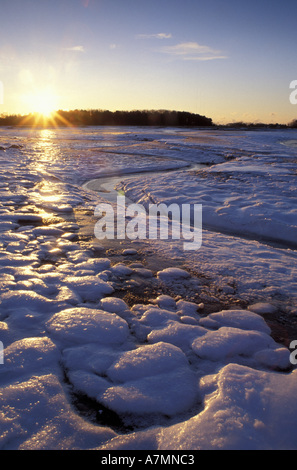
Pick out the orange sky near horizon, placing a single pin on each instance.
(231, 62)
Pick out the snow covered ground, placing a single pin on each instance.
(153, 348)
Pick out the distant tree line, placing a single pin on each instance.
(135, 118)
(109, 118)
(95, 117)
(260, 125)
(293, 124)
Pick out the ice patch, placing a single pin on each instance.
(221, 381)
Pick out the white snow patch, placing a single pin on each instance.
(84, 325)
(170, 274)
(221, 380)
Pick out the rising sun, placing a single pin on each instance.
(42, 105)
(44, 102)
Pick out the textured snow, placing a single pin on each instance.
(84, 325)
(163, 373)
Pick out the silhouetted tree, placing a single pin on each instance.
(80, 117)
(293, 124)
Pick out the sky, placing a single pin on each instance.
(230, 60)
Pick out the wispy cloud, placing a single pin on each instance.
(192, 51)
(75, 49)
(155, 36)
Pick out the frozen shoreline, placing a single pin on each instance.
(65, 309)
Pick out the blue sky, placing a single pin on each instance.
(229, 60)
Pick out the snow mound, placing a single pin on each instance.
(89, 288)
(243, 319)
(171, 274)
(165, 301)
(38, 416)
(113, 305)
(278, 358)
(30, 356)
(90, 357)
(26, 299)
(228, 342)
(146, 361)
(121, 270)
(94, 264)
(147, 374)
(176, 333)
(262, 308)
(162, 374)
(84, 325)
(150, 394)
(249, 410)
(154, 317)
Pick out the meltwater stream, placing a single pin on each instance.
(105, 185)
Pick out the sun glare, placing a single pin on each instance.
(44, 102)
(42, 109)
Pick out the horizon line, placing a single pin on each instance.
(237, 123)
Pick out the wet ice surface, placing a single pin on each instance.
(138, 344)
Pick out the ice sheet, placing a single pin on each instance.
(158, 370)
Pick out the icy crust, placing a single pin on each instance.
(36, 415)
(79, 325)
(176, 378)
(106, 359)
(257, 205)
(244, 412)
(145, 375)
(159, 359)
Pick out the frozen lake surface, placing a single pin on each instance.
(139, 344)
